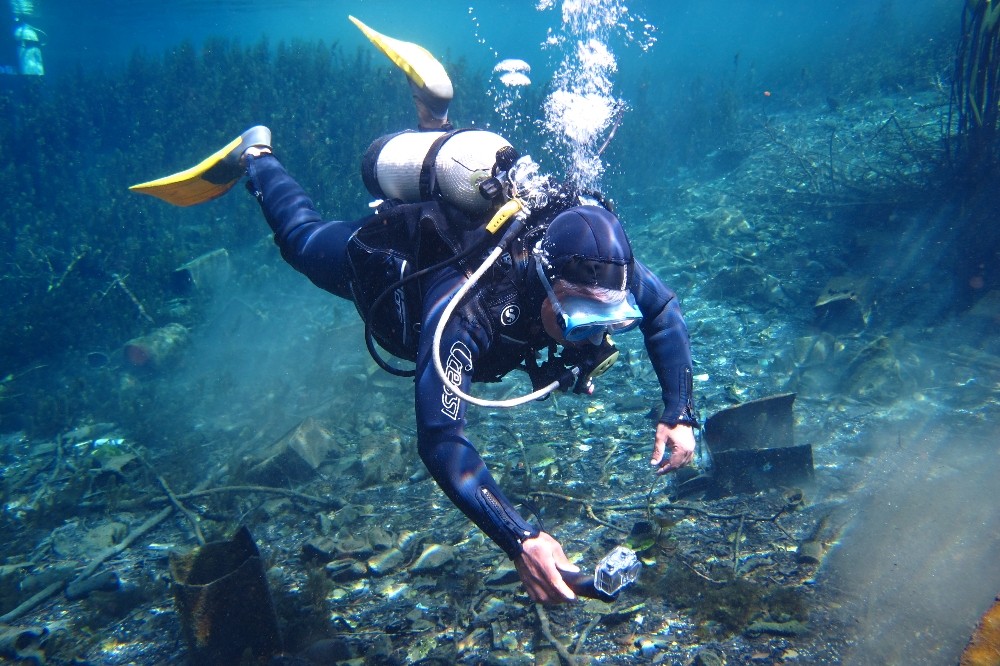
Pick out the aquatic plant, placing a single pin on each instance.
(88, 268)
(975, 94)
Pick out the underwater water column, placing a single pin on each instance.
(582, 110)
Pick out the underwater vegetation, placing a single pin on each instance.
(88, 264)
(975, 93)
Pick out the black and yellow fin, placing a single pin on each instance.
(209, 179)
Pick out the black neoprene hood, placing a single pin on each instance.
(587, 245)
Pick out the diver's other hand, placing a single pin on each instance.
(680, 440)
(538, 564)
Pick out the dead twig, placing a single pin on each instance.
(700, 574)
(87, 571)
(262, 489)
(673, 506)
(612, 450)
(593, 516)
(543, 619)
(587, 507)
(586, 631)
(736, 547)
(193, 519)
(62, 278)
(120, 282)
(56, 468)
(28, 604)
(129, 504)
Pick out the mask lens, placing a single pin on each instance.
(583, 319)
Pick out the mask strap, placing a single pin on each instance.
(556, 307)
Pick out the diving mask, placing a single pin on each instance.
(589, 320)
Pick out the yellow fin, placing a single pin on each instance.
(209, 179)
(416, 62)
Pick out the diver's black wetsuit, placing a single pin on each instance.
(489, 335)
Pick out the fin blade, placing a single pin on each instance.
(207, 180)
(419, 65)
(184, 193)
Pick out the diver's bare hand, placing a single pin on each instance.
(680, 439)
(538, 565)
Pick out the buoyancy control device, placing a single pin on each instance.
(481, 175)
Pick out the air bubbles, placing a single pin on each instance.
(510, 76)
(513, 72)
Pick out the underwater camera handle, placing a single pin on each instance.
(614, 572)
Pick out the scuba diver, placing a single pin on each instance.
(20, 43)
(434, 286)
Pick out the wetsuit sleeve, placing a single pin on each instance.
(315, 248)
(449, 456)
(668, 345)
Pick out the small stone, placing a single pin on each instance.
(346, 570)
(294, 458)
(319, 548)
(386, 561)
(433, 558)
(105, 581)
(790, 628)
(708, 657)
(496, 633)
(810, 552)
(503, 575)
(491, 608)
(352, 545)
(406, 538)
(379, 538)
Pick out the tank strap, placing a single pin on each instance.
(428, 173)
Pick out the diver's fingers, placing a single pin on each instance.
(660, 444)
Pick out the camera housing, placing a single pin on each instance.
(619, 568)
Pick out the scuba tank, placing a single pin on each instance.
(29, 52)
(473, 174)
(423, 166)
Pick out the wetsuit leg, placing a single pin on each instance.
(315, 248)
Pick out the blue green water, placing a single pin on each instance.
(769, 154)
(690, 36)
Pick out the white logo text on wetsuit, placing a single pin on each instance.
(459, 361)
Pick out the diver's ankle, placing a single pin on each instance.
(254, 152)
